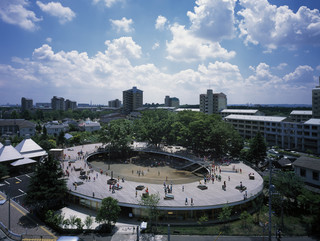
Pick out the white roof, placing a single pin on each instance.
(28, 145)
(239, 111)
(301, 112)
(256, 118)
(35, 154)
(191, 109)
(8, 153)
(23, 161)
(30, 149)
(313, 121)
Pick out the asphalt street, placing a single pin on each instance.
(16, 187)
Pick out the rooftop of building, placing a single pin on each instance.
(134, 90)
(301, 112)
(251, 111)
(308, 162)
(8, 153)
(313, 121)
(22, 123)
(256, 118)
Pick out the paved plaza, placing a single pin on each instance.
(213, 197)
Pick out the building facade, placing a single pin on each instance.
(17, 127)
(227, 112)
(70, 105)
(171, 102)
(279, 131)
(57, 103)
(26, 104)
(212, 103)
(132, 99)
(309, 170)
(300, 115)
(316, 101)
(114, 103)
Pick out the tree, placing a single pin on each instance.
(88, 221)
(61, 139)
(257, 149)
(47, 187)
(204, 218)
(73, 220)
(225, 214)
(44, 133)
(109, 211)
(288, 185)
(154, 126)
(245, 218)
(3, 171)
(151, 201)
(118, 134)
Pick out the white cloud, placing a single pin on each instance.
(15, 12)
(75, 75)
(273, 26)
(123, 24)
(160, 22)
(65, 14)
(123, 47)
(188, 48)
(109, 3)
(213, 20)
(49, 40)
(156, 45)
(301, 74)
(281, 66)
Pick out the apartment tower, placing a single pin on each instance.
(132, 99)
(212, 103)
(316, 101)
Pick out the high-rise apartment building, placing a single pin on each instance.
(212, 103)
(70, 105)
(115, 103)
(171, 102)
(57, 103)
(316, 101)
(132, 99)
(26, 104)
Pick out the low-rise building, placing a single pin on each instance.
(112, 116)
(227, 112)
(309, 170)
(89, 126)
(300, 115)
(279, 131)
(54, 128)
(19, 127)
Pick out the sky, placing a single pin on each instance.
(89, 51)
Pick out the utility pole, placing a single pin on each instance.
(9, 214)
(270, 196)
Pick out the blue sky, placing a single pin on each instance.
(261, 52)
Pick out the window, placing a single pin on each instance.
(302, 172)
(315, 176)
